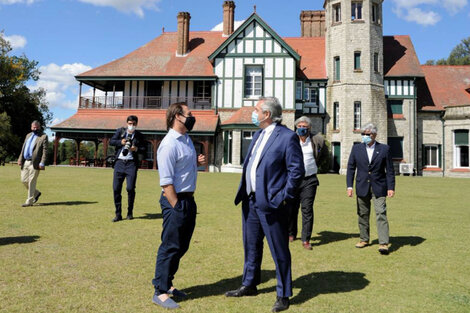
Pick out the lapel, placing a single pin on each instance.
(363, 151)
(250, 148)
(376, 152)
(271, 139)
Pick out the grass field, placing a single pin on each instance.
(65, 255)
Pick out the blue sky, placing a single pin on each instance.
(68, 37)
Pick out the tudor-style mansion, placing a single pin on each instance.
(342, 72)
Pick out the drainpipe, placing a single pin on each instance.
(443, 159)
(415, 125)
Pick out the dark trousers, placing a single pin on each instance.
(257, 224)
(305, 197)
(178, 227)
(124, 170)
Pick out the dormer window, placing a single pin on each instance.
(356, 10)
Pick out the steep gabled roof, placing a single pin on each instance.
(241, 28)
(443, 86)
(400, 58)
(158, 59)
(312, 51)
(150, 121)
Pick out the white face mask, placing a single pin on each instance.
(130, 128)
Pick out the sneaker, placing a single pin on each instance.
(167, 304)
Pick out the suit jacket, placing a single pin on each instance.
(39, 150)
(279, 172)
(379, 173)
(320, 150)
(138, 141)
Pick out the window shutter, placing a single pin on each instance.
(424, 155)
(439, 156)
(461, 137)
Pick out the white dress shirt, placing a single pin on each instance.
(370, 151)
(309, 160)
(267, 133)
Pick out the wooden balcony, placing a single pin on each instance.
(141, 102)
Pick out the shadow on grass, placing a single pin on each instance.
(66, 203)
(399, 241)
(20, 239)
(314, 284)
(326, 237)
(150, 216)
(222, 286)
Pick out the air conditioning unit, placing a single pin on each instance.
(406, 168)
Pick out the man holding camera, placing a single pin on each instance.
(130, 144)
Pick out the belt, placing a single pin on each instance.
(182, 195)
(28, 159)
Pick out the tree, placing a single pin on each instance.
(460, 55)
(20, 105)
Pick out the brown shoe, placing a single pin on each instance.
(362, 244)
(307, 245)
(291, 238)
(383, 249)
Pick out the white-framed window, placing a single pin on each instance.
(298, 90)
(431, 156)
(461, 154)
(356, 10)
(375, 13)
(337, 13)
(253, 81)
(336, 116)
(311, 96)
(357, 60)
(357, 115)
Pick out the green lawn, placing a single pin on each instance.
(65, 255)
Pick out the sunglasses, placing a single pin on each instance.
(364, 134)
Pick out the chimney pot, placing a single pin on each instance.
(183, 33)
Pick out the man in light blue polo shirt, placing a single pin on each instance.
(177, 166)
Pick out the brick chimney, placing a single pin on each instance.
(229, 13)
(183, 33)
(312, 23)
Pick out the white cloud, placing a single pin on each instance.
(16, 1)
(59, 81)
(423, 12)
(220, 27)
(16, 41)
(135, 6)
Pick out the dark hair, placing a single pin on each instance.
(133, 118)
(175, 108)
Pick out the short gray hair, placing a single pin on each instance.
(36, 122)
(273, 106)
(371, 127)
(303, 119)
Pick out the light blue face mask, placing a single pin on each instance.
(366, 139)
(254, 118)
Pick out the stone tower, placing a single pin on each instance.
(354, 60)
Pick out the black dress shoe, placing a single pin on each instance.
(281, 304)
(129, 217)
(117, 218)
(243, 291)
(37, 197)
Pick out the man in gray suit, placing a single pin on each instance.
(32, 159)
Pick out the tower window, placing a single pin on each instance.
(375, 13)
(337, 69)
(337, 13)
(357, 115)
(357, 61)
(376, 62)
(356, 10)
(336, 116)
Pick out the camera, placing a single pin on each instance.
(127, 146)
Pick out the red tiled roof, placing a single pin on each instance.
(149, 120)
(400, 58)
(312, 52)
(241, 116)
(158, 58)
(444, 85)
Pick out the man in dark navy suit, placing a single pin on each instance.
(272, 171)
(130, 144)
(375, 180)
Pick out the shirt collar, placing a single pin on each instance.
(371, 147)
(173, 133)
(269, 129)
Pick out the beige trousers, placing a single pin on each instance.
(29, 177)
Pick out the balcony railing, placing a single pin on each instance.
(141, 102)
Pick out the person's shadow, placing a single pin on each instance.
(326, 237)
(397, 242)
(150, 216)
(19, 239)
(311, 285)
(66, 203)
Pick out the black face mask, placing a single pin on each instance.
(36, 132)
(189, 123)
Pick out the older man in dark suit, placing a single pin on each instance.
(375, 180)
(32, 159)
(272, 171)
